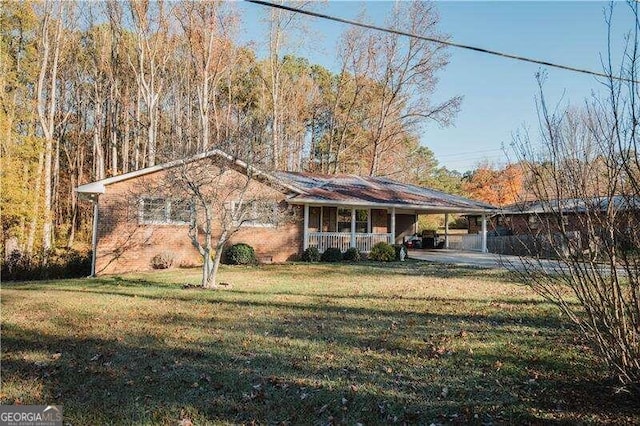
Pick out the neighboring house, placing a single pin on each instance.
(544, 226)
(132, 224)
(549, 216)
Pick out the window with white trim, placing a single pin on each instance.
(164, 211)
(256, 213)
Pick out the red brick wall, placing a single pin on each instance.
(125, 245)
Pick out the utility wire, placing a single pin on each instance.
(468, 154)
(435, 40)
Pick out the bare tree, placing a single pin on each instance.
(404, 70)
(224, 194)
(585, 166)
(208, 27)
(152, 51)
(286, 31)
(50, 45)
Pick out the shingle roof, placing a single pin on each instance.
(366, 190)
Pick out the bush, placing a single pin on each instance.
(382, 252)
(398, 248)
(240, 254)
(352, 255)
(332, 254)
(61, 263)
(162, 260)
(311, 255)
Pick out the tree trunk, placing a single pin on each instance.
(47, 226)
(207, 266)
(215, 264)
(33, 226)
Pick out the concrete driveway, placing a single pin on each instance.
(463, 258)
(495, 261)
(482, 260)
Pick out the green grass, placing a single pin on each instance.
(410, 343)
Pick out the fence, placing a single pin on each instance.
(518, 245)
(470, 242)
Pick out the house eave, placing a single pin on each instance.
(417, 207)
(91, 188)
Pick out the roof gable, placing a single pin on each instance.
(99, 187)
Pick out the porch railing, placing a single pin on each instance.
(342, 240)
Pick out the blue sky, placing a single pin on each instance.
(499, 94)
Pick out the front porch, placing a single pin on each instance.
(345, 240)
(343, 227)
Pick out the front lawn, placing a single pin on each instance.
(300, 344)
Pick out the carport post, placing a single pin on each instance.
(446, 230)
(484, 233)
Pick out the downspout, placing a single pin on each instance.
(94, 237)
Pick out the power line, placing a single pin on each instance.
(435, 40)
(467, 153)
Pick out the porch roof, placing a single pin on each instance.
(369, 191)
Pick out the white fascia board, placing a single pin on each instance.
(91, 188)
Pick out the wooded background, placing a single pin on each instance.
(96, 89)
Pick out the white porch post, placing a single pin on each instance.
(484, 233)
(393, 225)
(353, 227)
(446, 230)
(305, 226)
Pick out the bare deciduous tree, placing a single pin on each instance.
(50, 45)
(404, 70)
(152, 51)
(589, 161)
(208, 27)
(224, 194)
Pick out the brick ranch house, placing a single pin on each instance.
(132, 224)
